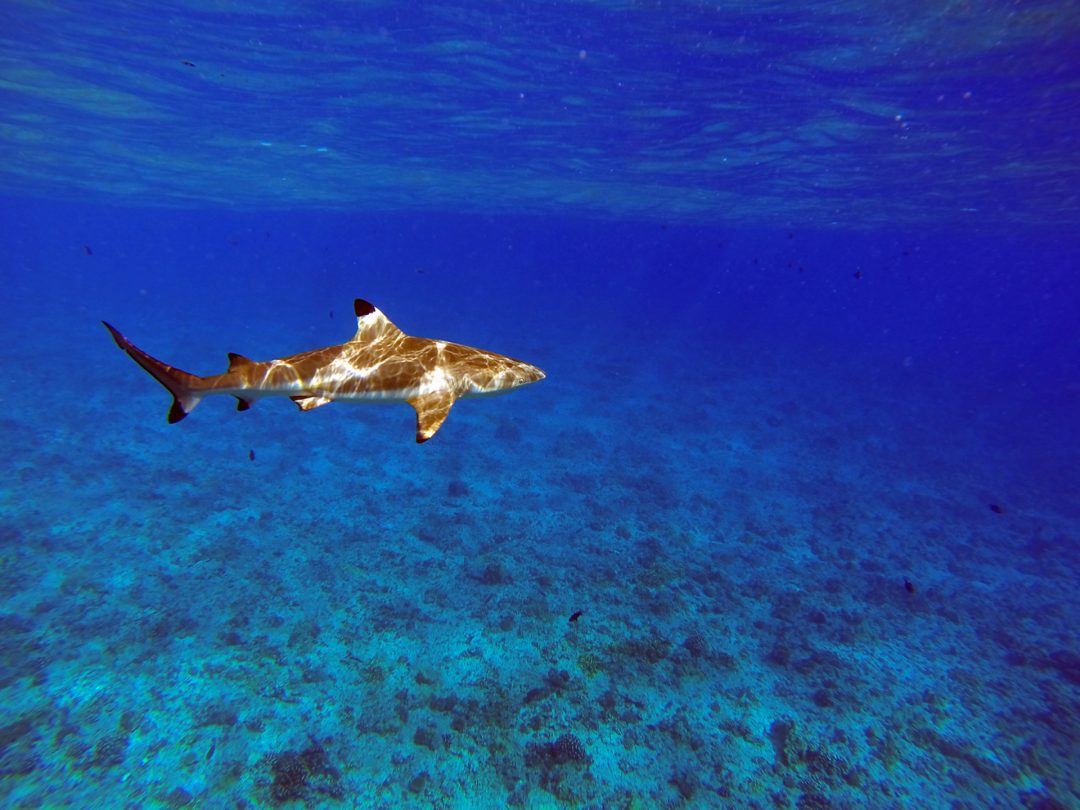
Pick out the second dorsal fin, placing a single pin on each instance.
(238, 361)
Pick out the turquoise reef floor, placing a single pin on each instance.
(284, 609)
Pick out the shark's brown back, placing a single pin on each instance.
(379, 363)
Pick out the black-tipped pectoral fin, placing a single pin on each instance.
(431, 412)
(309, 402)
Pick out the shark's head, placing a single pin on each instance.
(527, 374)
(492, 374)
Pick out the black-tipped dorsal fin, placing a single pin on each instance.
(238, 361)
(372, 324)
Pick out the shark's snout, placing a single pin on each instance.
(530, 374)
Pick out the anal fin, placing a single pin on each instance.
(309, 403)
(431, 411)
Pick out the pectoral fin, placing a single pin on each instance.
(307, 403)
(431, 412)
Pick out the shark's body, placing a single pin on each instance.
(379, 364)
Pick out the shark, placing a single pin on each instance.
(380, 363)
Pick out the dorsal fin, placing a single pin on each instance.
(238, 361)
(371, 324)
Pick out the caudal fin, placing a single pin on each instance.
(183, 386)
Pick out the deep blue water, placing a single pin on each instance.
(804, 285)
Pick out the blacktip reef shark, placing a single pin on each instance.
(379, 364)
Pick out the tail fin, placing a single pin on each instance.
(183, 386)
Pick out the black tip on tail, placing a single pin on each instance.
(176, 412)
(116, 336)
(179, 383)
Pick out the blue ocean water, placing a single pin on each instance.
(792, 522)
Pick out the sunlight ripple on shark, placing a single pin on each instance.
(379, 364)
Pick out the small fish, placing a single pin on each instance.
(210, 753)
(908, 586)
(89, 252)
(996, 509)
(576, 615)
(251, 455)
(536, 693)
(187, 63)
(857, 274)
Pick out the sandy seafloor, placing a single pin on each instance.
(350, 620)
